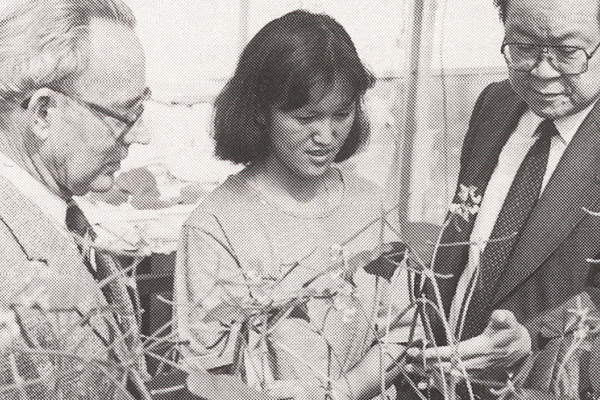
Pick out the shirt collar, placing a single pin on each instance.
(53, 206)
(566, 126)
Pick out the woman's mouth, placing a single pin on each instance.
(320, 156)
(320, 152)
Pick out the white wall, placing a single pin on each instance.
(192, 45)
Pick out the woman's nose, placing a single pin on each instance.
(324, 131)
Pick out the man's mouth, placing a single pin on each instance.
(549, 94)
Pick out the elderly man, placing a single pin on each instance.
(530, 162)
(72, 91)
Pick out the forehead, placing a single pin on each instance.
(553, 19)
(332, 95)
(115, 72)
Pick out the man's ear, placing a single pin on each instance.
(40, 105)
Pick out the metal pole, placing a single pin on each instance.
(416, 101)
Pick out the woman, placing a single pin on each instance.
(269, 272)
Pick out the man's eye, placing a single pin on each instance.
(568, 52)
(525, 48)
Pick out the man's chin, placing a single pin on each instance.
(551, 108)
(102, 183)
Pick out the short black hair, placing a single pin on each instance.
(279, 67)
(502, 6)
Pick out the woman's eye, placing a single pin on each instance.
(342, 115)
(306, 119)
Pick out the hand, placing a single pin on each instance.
(301, 390)
(502, 344)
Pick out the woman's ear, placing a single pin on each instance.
(39, 105)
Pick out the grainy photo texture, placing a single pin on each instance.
(299, 199)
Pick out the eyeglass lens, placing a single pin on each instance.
(565, 59)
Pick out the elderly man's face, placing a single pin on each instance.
(548, 92)
(83, 149)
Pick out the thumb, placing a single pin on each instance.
(501, 319)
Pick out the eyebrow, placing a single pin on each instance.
(520, 31)
(343, 106)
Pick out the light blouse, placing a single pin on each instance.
(244, 267)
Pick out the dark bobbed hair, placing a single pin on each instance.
(280, 66)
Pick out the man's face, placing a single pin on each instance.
(83, 149)
(549, 93)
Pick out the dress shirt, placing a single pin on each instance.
(52, 205)
(512, 155)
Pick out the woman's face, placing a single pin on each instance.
(306, 140)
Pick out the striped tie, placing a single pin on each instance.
(115, 290)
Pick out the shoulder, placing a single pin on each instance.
(495, 96)
(13, 202)
(229, 199)
(358, 185)
(360, 193)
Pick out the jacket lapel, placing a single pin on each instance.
(42, 242)
(497, 120)
(573, 185)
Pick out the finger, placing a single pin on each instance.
(426, 369)
(474, 347)
(434, 353)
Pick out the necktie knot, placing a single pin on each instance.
(76, 221)
(546, 129)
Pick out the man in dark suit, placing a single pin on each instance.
(530, 168)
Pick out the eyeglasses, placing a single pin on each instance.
(568, 60)
(122, 124)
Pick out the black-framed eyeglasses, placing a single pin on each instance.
(126, 123)
(568, 60)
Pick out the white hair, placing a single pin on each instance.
(42, 42)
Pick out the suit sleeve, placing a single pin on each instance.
(474, 121)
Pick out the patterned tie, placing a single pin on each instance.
(520, 201)
(115, 291)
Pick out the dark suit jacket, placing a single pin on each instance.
(548, 263)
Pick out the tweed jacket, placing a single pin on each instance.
(56, 321)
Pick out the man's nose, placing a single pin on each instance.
(544, 68)
(139, 133)
(325, 131)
